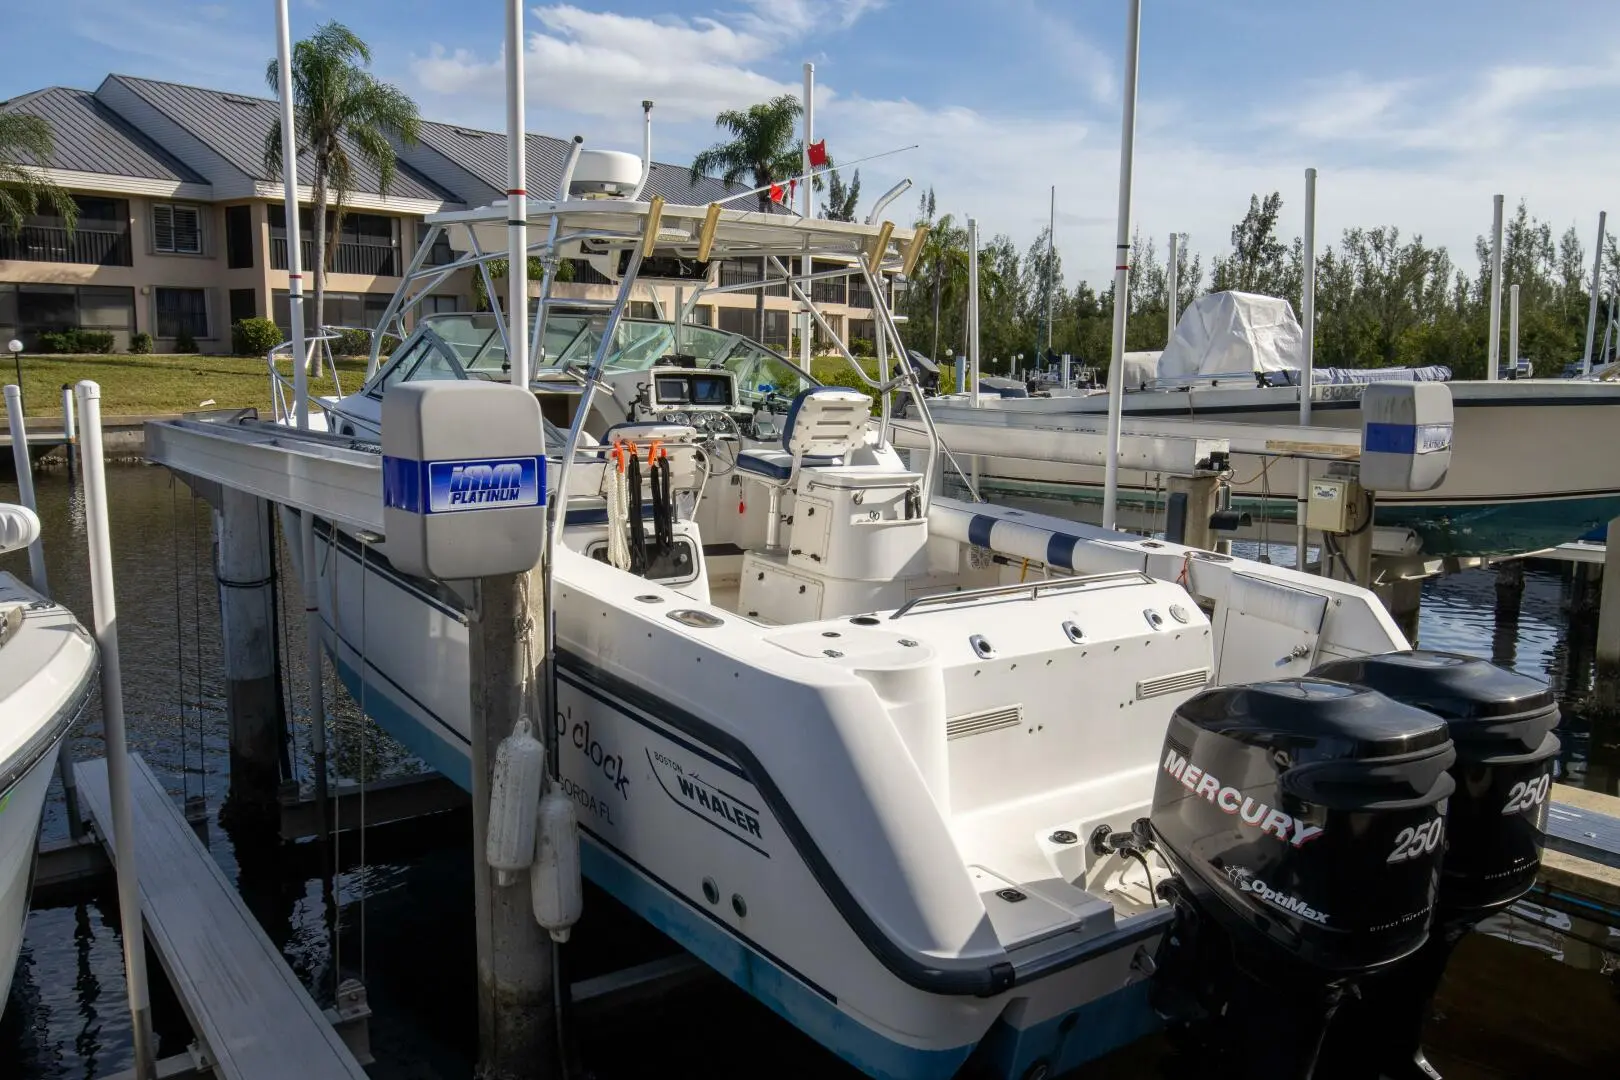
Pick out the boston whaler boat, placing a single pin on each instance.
(1524, 473)
(931, 779)
(47, 669)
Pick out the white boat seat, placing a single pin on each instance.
(778, 464)
(822, 425)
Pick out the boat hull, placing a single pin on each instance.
(21, 807)
(675, 826)
(1526, 472)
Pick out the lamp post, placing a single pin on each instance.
(15, 348)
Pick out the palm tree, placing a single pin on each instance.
(22, 188)
(342, 110)
(764, 148)
(945, 257)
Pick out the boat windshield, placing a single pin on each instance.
(469, 346)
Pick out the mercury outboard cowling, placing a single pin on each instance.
(1303, 821)
(1501, 724)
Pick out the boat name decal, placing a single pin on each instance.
(719, 808)
(612, 765)
(1251, 811)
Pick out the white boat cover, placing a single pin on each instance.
(1233, 333)
(1141, 368)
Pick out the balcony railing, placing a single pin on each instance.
(859, 295)
(44, 243)
(371, 259)
(831, 291)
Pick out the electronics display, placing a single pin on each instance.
(693, 390)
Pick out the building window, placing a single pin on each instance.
(238, 237)
(738, 320)
(367, 243)
(776, 329)
(360, 311)
(441, 253)
(863, 330)
(703, 315)
(181, 311)
(176, 229)
(26, 311)
(643, 309)
(244, 305)
(439, 305)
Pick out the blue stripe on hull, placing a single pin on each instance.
(1066, 1041)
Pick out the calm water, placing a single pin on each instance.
(400, 917)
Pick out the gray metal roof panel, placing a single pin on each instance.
(91, 138)
(235, 126)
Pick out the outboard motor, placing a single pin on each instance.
(1501, 724)
(1303, 821)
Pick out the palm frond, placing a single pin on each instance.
(23, 189)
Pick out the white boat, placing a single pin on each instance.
(47, 670)
(1526, 471)
(840, 737)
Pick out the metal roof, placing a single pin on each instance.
(91, 138)
(483, 153)
(234, 126)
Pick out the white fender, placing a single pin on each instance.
(514, 795)
(19, 527)
(554, 885)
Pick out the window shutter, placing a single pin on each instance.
(163, 227)
(187, 230)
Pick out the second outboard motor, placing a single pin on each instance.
(1501, 724)
(1303, 820)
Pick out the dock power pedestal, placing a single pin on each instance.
(464, 479)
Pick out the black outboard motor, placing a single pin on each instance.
(1501, 724)
(1303, 820)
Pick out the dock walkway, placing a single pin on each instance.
(252, 1015)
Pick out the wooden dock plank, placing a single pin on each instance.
(244, 1002)
(1585, 824)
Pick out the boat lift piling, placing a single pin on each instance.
(1494, 353)
(1307, 316)
(112, 720)
(1122, 268)
(1605, 700)
(247, 617)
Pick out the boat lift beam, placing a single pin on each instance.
(1175, 455)
(304, 470)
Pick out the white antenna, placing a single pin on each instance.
(1122, 250)
(517, 203)
(1494, 354)
(1597, 273)
(295, 250)
(1307, 314)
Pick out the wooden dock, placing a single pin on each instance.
(253, 1018)
(1580, 868)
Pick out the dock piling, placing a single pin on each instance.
(247, 621)
(105, 606)
(1606, 680)
(516, 994)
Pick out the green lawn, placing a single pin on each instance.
(141, 385)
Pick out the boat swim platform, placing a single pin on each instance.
(252, 1017)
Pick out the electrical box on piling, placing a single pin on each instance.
(464, 479)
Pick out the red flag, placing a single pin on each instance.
(777, 193)
(793, 190)
(818, 154)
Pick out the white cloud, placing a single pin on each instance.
(1425, 153)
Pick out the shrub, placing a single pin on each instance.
(862, 347)
(76, 341)
(184, 342)
(140, 342)
(254, 337)
(352, 342)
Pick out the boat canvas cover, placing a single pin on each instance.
(1233, 333)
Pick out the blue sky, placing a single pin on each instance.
(1414, 112)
